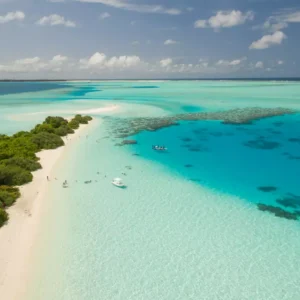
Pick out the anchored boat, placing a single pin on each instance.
(159, 148)
(118, 182)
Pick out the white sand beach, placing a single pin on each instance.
(98, 110)
(18, 236)
(93, 110)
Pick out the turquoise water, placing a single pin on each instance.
(217, 156)
(187, 226)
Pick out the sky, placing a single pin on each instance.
(143, 39)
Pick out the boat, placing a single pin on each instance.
(159, 148)
(118, 182)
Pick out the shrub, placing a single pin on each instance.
(3, 217)
(8, 195)
(43, 128)
(3, 137)
(10, 189)
(56, 122)
(18, 146)
(74, 124)
(25, 163)
(14, 175)
(21, 134)
(7, 199)
(63, 130)
(88, 118)
(45, 140)
(83, 120)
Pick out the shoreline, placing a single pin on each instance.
(65, 113)
(18, 235)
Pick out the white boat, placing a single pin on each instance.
(159, 148)
(118, 182)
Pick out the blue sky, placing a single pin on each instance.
(149, 38)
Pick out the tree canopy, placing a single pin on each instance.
(18, 155)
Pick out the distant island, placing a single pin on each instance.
(18, 155)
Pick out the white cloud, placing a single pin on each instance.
(104, 15)
(59, 58)
(135, 43)
(166, 62)
(170, 42)
(123, 61)
(268, 40)
(132, 23)
(34, 64)
(27, 61)
(190, 9)
(12, 16)
(143, 8)
(280, 21)
(259, 65)
(234, 62)
(201, 24)
(225, 19)
(273, 27)
(54, 20)
(99, 61)
(280, 62)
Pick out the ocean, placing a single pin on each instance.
(188, 225)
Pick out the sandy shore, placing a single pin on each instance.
(18, 236)
(94, 110)
(98, 110)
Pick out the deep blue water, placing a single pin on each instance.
(230, 158)
(82, 91)
(26, 87)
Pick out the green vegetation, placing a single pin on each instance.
(63, 130)
(45, 140)
(8, 195)
(3, 217)
(79, 119)
(14, 175)
(83, 119)
(74, 124)
(18, 155)
(25, 163)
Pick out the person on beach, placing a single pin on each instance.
(47, 178)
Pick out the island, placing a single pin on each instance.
(18, 157)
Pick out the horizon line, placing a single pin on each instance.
(155, 79)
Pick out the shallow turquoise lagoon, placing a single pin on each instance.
(187, 226)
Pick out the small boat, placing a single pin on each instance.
(118, 182)
(159, 148)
